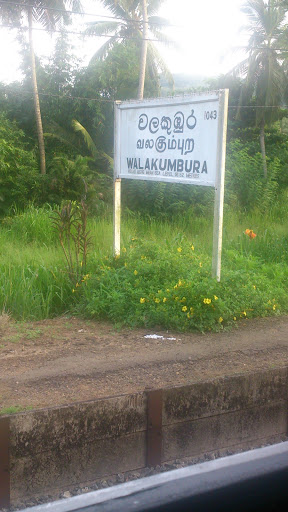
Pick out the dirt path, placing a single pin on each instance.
(65, 360)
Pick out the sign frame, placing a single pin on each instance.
(217, 182)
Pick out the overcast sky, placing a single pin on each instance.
(206, 31)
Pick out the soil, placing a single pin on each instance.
(66, 360)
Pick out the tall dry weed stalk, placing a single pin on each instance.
(70, 223)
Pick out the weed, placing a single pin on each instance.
(14, 409)
(163, 276)
(71, 225)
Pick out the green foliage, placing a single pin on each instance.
(118, 75)
(75, 179)
(13, 409)
(30, 226)
(163, 272)
(19, 181)
(70, 223)
(264, 69)
(245, 186)
(33, 291)
(128, 25)
(66, 178)
(170, 285)
(167, 200)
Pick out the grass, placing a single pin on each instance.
(163, 277)
(13, 409)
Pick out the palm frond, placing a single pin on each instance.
(241, 69)
(97, 28)
(108, 158)
(163, 38)
(65, 136)
(118, 8)
(78, 127)
(44, 14)
(74, 5)
(103, 51)
(158, 21)
(154, 6)
(153, 54)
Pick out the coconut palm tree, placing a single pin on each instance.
(41, 12)
(264, 69)
(130, 23)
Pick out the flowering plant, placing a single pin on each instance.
(250, 233)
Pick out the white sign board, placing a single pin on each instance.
(168, 139)
(179, 140)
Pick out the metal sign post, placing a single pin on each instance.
(175, 140)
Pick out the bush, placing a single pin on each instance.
(170, 286)
(19, 175)
(245, 186)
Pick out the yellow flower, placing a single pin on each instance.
(274, 307)
(192, 247)
(164, 300)
(167, 290)
(244, 313)
(184, 309)
(215, 297)
(220, 319)
(176, 286)
(73, 291)
(207, 301)
(188, 315)
(135, 272)
(142, 300)
(180, 282)
(191, 310)
(234, 318)
(183, 299)
(77, 284)
(157, 300)
(179, 249)
(124, 249)
(254, 286)
(200, 264)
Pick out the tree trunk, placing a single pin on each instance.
(144, 48)
(263, 150)
(36, 98)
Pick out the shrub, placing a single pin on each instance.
(170, 286)
(245, 186)
(19, 175)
